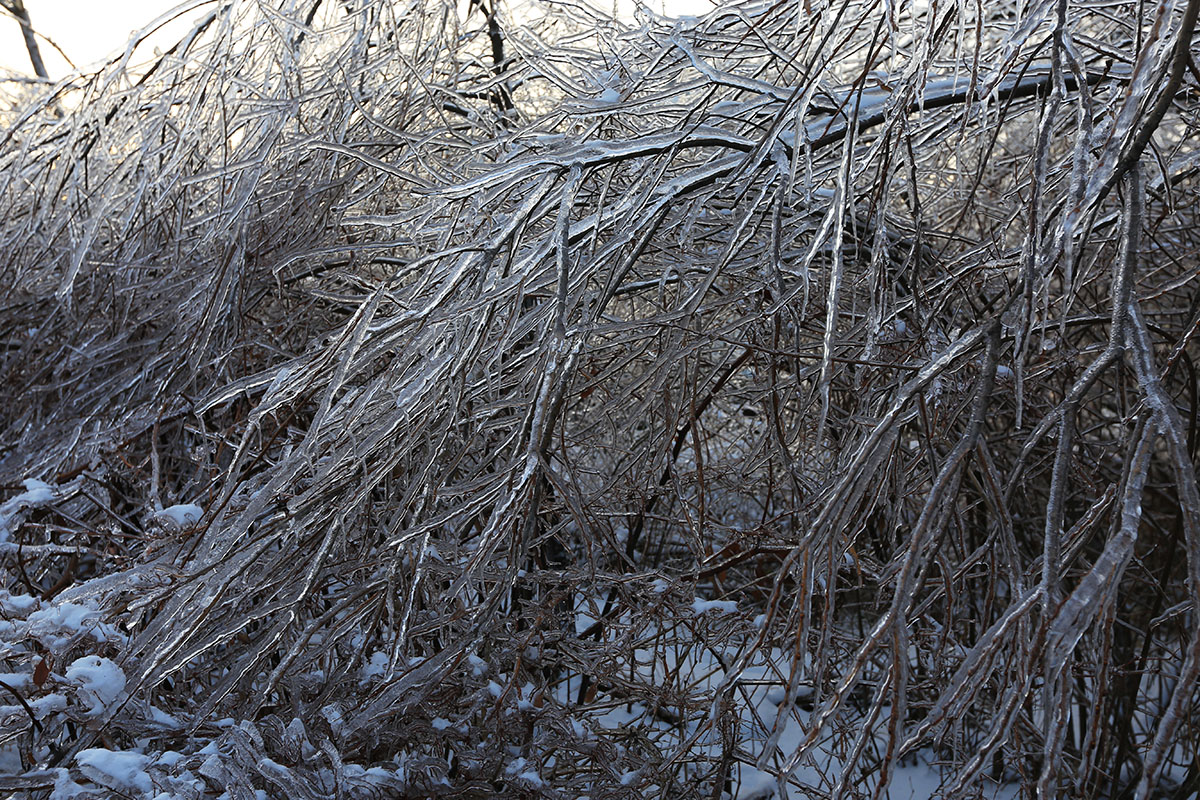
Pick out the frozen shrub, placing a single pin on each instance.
(424, 400)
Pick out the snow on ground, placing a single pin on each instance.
(720, 606)
(92, 686)
(683, 659)
(692, 657)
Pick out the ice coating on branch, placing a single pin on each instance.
(483, 372)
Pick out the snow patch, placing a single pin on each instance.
(478, 665)
(21, 681)
(101, 682)
(518, 769)
(36, 494)
(375, 667)
(720, 606)
(18, 605)
(47, 705)
(181, 517)
(56, 625)
(64, 787)
(160, 717)
(121, 770)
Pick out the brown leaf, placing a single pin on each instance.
(41, 671)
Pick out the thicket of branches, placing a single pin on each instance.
(496, 344)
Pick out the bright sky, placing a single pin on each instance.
(90, 30)
(86, 30)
